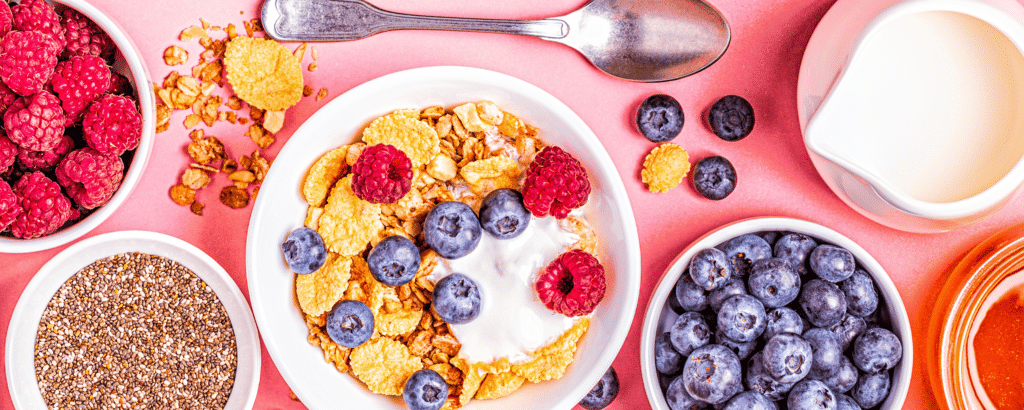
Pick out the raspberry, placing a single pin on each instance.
(78, 82)
(555, 184)
(572, 284)
(44, 208)
(35, 122)
(119, 85)
(84, 37)
(38, 15)
(112, 125)
(27, 59)
(8, 153)
(6, 19)
(45, 160)
(382, 174)
(7, 97)
(9, 208)
(90, 177)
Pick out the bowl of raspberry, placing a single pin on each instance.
(78, 122)
(772, 313)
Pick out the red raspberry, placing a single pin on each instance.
(572, 284)
(555, 184)
(78, 82)
(45, 160)
(6, 19)
(112, 125)
(44, 208)
(84, 37)
(90, 177)
(7, 97)
(35, 122)
(27, 59)
(38, 15)
(119, 85)
(8, 153)
(382, 174)
(9, 208)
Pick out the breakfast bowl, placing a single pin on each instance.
(127, 62)
(281, 208)
(890, 312)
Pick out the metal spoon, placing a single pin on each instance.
(639, 40)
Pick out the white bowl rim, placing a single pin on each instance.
(147, 107)
(897, 310)
(19, 348)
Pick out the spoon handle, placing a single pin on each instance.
(334, 20)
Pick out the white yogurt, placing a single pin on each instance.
(512, 321)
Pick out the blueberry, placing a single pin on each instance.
(394, 261)
(304, 251)
(832, 263)
(713, 374)
(788, 357)
(452, 230)
(875, 350)
(774, 281)
(783, 320)
(844, 379)
(710, 268)
(689, 296)
(744, 250)
(503, 214)
(742, 318)
(828, 353)
(797, 248)
(603, 393)
(425, 390)
(666, 358)
(849, 329)
(771, 236)
(690, 331)
(728, 289)
(846, 402)
(350, 323)
(757, 378)
(679, 399)
(811, 395)
(714, 177)
(822, 302)
(457, 299)
(871, 389)
(731, 118)
(750, 400)
(861, 298)
(743, 350)
(660, 118)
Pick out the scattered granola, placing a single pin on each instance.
(263, 73)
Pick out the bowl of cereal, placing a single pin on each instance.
(78, 135)
(466, 133)
(808, 312)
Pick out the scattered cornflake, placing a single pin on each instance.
(665, 167)
(192, 33)
(175, 55)
(263, 73)
(317, 292)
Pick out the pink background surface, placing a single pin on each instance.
(776, 177)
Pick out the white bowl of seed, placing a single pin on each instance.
(136, 319)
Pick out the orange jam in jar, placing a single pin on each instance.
(997, 354)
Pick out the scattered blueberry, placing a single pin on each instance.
(783, 320)
(689, 295)
(603, 393)
(811, 395)
(710, 268)
(832, 263)
(690, 331)
(660, 118)
(742, 318)
(848, 330)
(828, 353)
(425, 390)
(452, 230)
(728, 289)
(797, 248)
(713, 374)
(750, 400)
(457, 299)
(844, 379)
(304, 251)
(871, 389)
(744, 250)
(861, 298)
(743, 350)
(394, 261)
(822, 302)
(666, 358)
(875, 350)
(775, 281)
(846, 402)
(503, 214)
(731, 118)
(788, 357)
(679, 399)
(714, 177)
(350, 323)
(757, 378)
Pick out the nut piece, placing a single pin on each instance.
(489, 112)
(175, 55)
(197, 208)
(195, 178)
(234, 197)
(442, 168)
(182, 195)
(273, 121)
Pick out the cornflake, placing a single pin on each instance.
(263, 73)
(319, 291)
(404, 131)
(384, 365)
(665, 167)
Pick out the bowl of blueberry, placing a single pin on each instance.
(776, 313)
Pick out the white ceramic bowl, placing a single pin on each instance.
(659, 316)
(280, 208)
(129, 63)
(19, 350)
